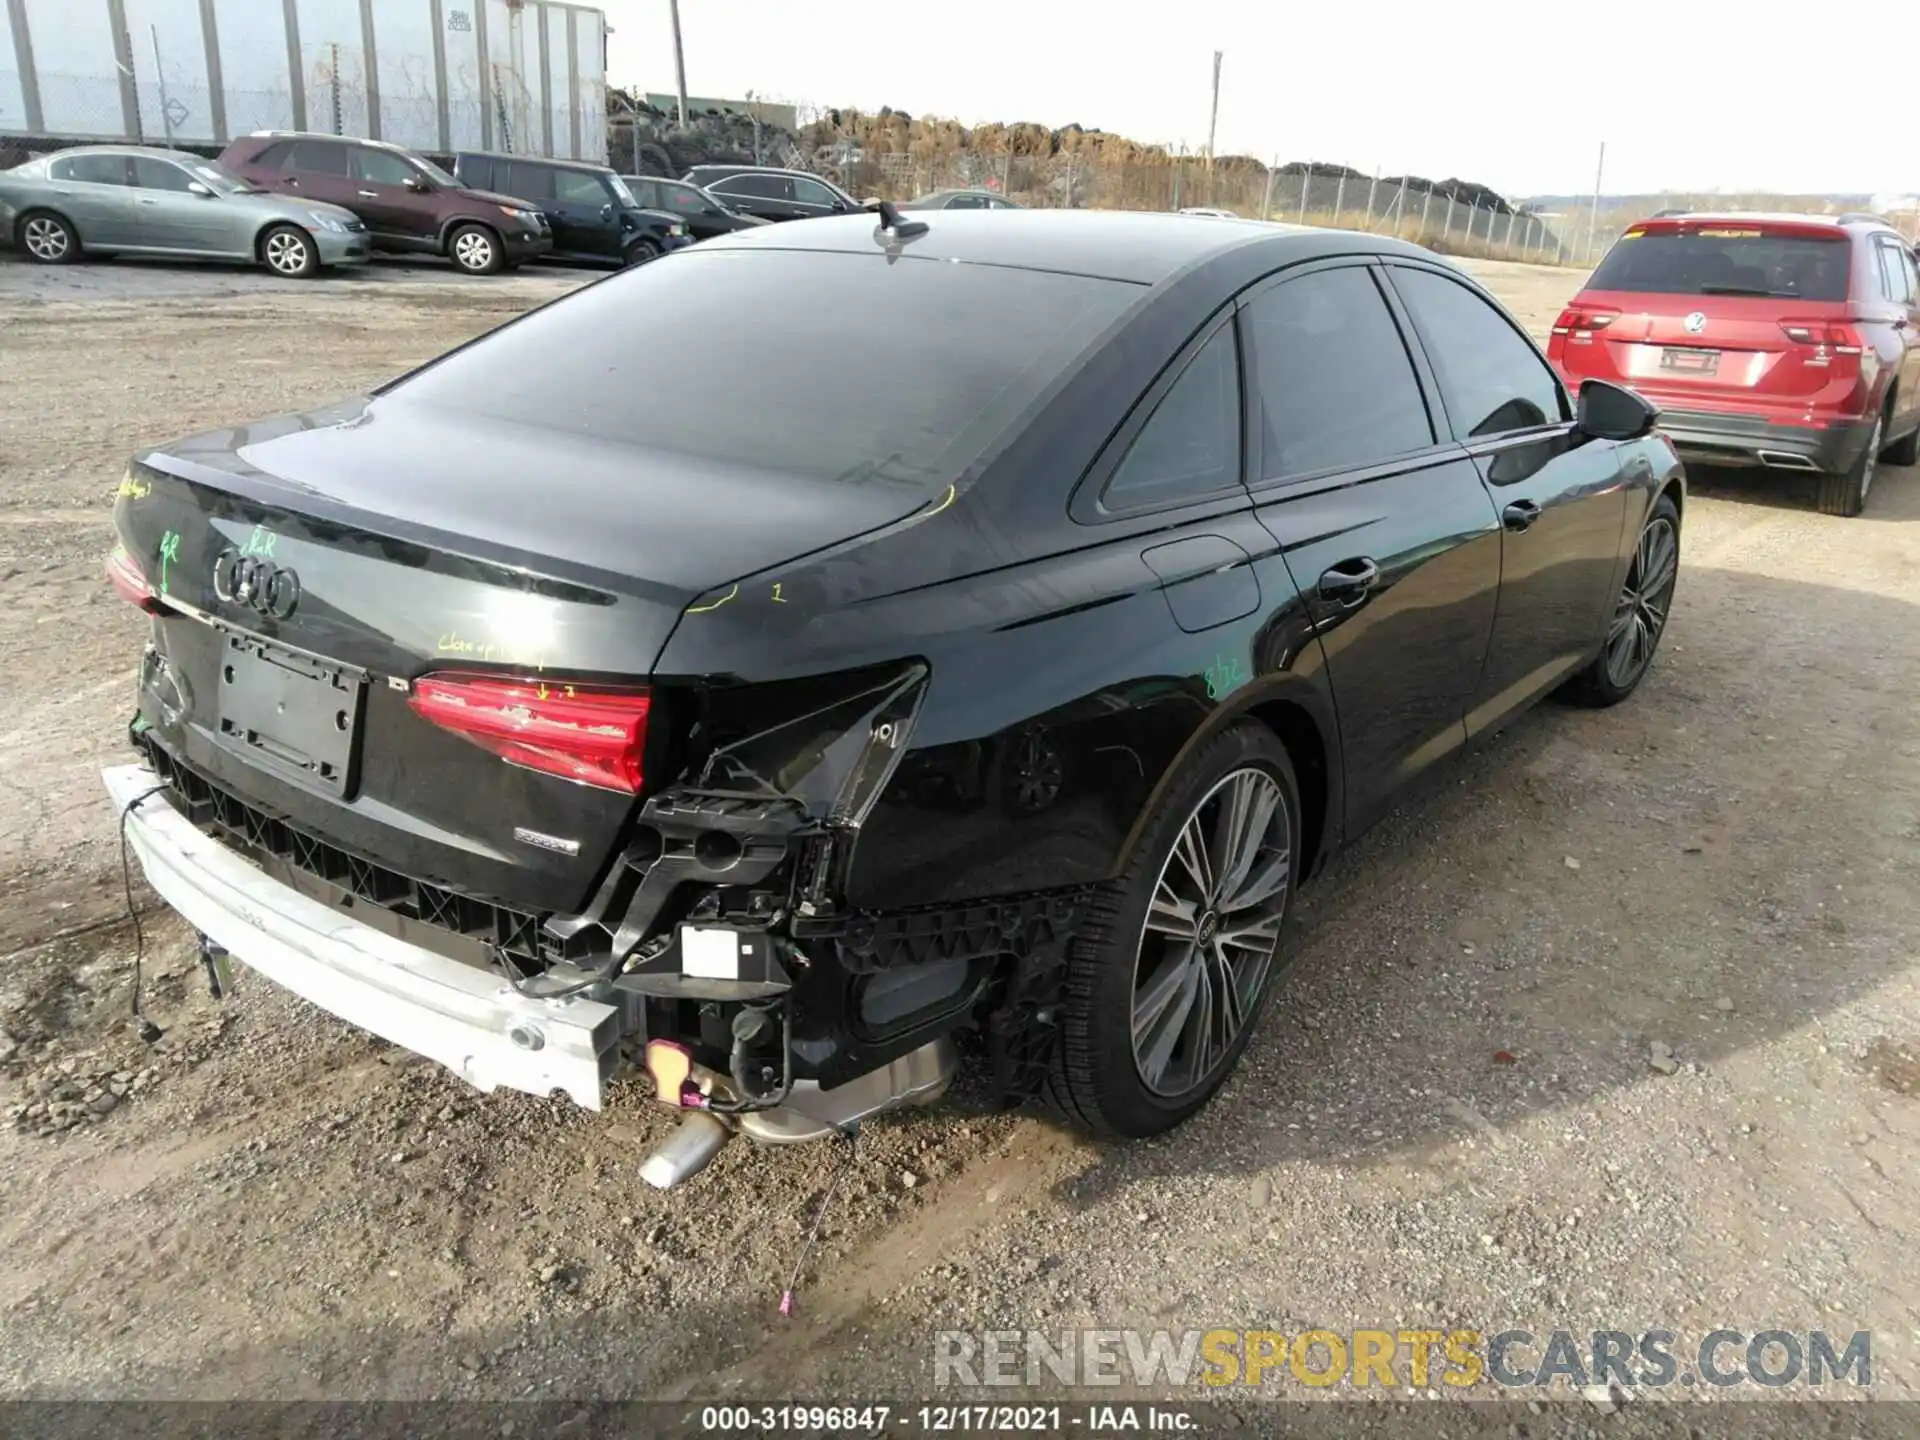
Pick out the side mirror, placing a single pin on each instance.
(1612, 412)
(194, 187)
(606, 211)
(415, 184)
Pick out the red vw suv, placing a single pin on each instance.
(1790, 341)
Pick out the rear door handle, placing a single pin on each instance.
(1519, 515)
(1350, 580)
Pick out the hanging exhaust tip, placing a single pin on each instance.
(686, 1152)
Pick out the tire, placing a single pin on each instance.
(1904, 452)
(47, 238)
(1845, 494)
(1098, 1078)
(289, 251)
(475, 250)
(639, 253)
(1641, 611)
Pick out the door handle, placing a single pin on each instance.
(1519, 515)
(1348, 582)
(369, 194)
(145, 201)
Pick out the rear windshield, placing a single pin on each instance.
(820, 364)
(1726, 260)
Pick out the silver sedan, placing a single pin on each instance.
(133, 200)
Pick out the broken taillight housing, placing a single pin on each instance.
(592, 736)
(131, 583)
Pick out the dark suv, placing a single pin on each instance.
(410, 204)
(772, 194)
(704, 214)
(592, 214)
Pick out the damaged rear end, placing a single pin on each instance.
(407, 745)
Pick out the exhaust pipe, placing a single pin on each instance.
(686, 1152)
(920, 1077)
(1780, 460)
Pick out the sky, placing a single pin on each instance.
(1691, 95)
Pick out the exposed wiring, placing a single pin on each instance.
(149, 1031)
(852, 1134)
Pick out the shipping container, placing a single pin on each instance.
(526, 76)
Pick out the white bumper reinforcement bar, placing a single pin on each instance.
(469, 1020)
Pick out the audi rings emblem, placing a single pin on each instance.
(257, 583)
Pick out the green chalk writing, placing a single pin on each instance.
(169, 554)
(1227, 674)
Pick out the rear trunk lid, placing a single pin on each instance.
(309, 570)
(1716, 314)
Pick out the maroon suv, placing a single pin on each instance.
(410, 204)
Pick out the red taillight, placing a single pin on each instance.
(130, 583)
(593, 736)
(1837, 336)
(1580, 321)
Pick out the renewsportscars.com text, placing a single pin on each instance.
(1394, 1359)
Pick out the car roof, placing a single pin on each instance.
(1135, 246)
(327, 135)
(1757, 217)
(155, 151)
(753, 170)
(536, 160)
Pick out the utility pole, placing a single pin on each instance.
(679, 59)
(1213, 119)
(1593, 218)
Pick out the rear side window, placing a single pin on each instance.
(528, 182)
(1336, 385)
(764, 187)
(318, 157)
(1896, 270)
(844, 386)
(1726, 260)
(1191, 445)
(577, 187)
(91, 169)
(1492, 380)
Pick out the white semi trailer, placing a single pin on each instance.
(527, 76)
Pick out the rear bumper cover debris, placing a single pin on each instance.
(471, 1021)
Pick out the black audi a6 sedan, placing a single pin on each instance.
(988, 650)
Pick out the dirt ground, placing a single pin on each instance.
(1452, 1116)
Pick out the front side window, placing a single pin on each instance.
(382, 167)
(1191, 445)
(91, 169)
(1491, 378)
(812, 192)
(152, 174)
(1335, 383)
